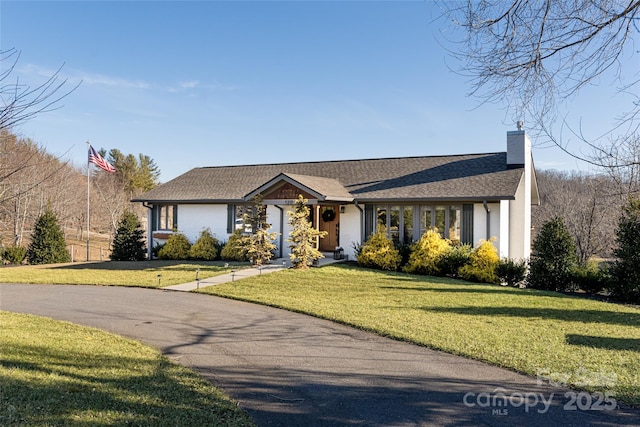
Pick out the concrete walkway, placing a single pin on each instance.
(242, 273)
(288, 369)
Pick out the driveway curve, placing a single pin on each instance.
(288, 369)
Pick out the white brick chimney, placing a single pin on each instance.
(518, 148)
(519, 156)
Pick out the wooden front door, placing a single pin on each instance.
(330, 222)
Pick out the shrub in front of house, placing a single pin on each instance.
(455, 258)
(511, 272)
(482, 264)
(379, 252)
(155, 250)
(14, 254)
(205, 248)
(236, 247)
(553, 257)
(427, 254)
(176, 248)
(404, 249)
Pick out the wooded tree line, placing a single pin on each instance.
(31, 179)
(590, 205)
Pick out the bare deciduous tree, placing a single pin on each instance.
(533, 54)
(21, 102)
(588, 204)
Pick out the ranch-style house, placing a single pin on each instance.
(466, 197)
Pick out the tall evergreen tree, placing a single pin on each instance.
(626, 270)
(129, 244)
(48, 245)
(303, 236)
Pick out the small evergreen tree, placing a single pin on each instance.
(48, 245)
(379, 252)
(177, 247)
(260, 249)
(128, 243)
(553, 258)
(303, 236)
(625, 271)
(205, 248)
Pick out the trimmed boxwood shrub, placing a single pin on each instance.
(589, 277)
(482, 264)
(455, 258)
(379, 252)
(511, 272)
(427, 254)
(177, 247)
(236, 248)
(205, 248)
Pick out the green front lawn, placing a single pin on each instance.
(116, 273)
(59, 374)
(587, 344)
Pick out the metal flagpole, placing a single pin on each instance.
(88, 169)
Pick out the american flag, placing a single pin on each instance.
(99, 161)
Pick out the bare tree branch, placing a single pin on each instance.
(22, 102)
(530, 55)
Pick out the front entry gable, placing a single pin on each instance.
(313, 188)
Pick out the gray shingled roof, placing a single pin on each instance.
(459, 177)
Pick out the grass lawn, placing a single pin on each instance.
(586, 344)
(58, 374)
(116, 273)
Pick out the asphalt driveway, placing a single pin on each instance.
(288, 369)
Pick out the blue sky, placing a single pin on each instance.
(218, 83)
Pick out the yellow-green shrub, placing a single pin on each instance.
(426, 254)
(379, 252)
(482, 264)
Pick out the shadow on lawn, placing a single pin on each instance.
(71, 392)
(566, 314)
(608, 343)
(461, 289)
(182, 265)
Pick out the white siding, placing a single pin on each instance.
(503, 244)
(480, 224)
(192, 219)
(350, 229)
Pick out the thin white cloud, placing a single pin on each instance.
(29, 71)
(190, 84)
(197, 84)
(102, 80)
